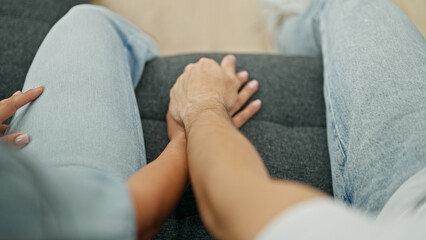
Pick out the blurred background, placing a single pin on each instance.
(238, 26)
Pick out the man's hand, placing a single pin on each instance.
(206, 85)
(9, 106)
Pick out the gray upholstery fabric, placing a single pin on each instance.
(23, 26)
(289, 131)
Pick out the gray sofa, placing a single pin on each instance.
(289, 131)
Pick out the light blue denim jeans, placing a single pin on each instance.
(87, 118)
(85, 131)
(87, 122)
(375, 92)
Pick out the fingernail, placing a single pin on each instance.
(230, 58)
(253, 84)
(38, 86)
(257, 103)
(244, 74)
(22, 140)
(16, 93)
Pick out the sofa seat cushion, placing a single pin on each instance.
(23, 26)
(289, 131)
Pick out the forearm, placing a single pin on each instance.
(215, 147)
(157, 188)
(220, 158)
(231, 182)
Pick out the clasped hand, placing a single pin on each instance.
(206, 85)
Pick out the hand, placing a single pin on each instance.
(177, 132)
(206, 85)
(239, 118)
(174, 130)
(9, 106)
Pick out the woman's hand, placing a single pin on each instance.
(206, 85)
(9, 106)
(174, 130)
(239, 118)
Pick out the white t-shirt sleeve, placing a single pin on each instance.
(404, 217)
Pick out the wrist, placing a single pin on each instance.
(198, 108)
(179, 138)
(206, 116)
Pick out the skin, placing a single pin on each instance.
(236, 196)
(229, 178)
(168, 175)
(9, 106)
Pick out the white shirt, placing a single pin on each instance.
(403, 217)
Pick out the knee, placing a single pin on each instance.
(86, 10)
(85, 21)
(87, 15)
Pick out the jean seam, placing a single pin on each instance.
(135, 115)
(326, 86)
(342, 146)
(347, 196)
(133, 103)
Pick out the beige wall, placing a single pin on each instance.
(183, 26)
(416, 10)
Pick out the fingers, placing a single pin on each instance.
(243, 76)
(228, 64)
(9, 106)
(206, 64)
(247, 113)
(3, 128)
(245, 94)
(188, 67)
(17, 139)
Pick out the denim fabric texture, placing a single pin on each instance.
(85, 130)
(375, 92)
(89, 52)
(289, 132)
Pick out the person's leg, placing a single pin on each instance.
(299, 34)
(375, 92)
(87, 118)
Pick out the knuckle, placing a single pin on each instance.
(236, 80)
(237, 119)
(239, 101)
(188, 67)
(249, 110)
(205, 60)
(245, 94)
(251, 92)
(27, 98)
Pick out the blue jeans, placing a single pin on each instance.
(375, 92)
(85, 130)
(87, 118)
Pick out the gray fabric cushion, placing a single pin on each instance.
(23, 26)
(289, 131)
